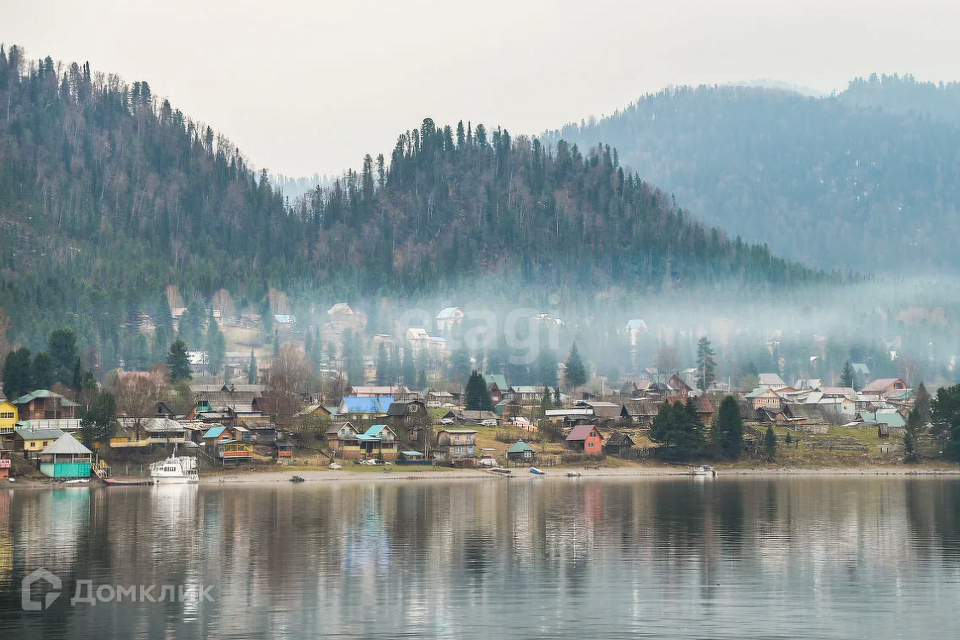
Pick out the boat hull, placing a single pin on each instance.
(176, 480)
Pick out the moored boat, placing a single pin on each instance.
(537, 472)
(702, 471)
(573, 474)
(175, 470)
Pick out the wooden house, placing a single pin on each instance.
(453, 444)
(379, 442)
(884, 386)
(619, 444)
(342, 440)
(763, 398)
(411, 422)
(521, 452)
(66, 458)
(585, 438)
(44, 404)
(151, 431)
(496, 386)
(33, 441)
(639, 412)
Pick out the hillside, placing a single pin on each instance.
(820, 180)
(905, 94)
(108, 194)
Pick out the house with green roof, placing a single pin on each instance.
(379, 442)
(521, 452)
(45, 404)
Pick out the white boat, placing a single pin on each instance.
(175, 470)
(703, 471)
(573, 474)
(335, 466)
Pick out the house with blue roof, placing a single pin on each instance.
(356, 408)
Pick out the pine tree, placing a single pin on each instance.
(460, 365)
(422, 380)
(848, 377)
(62, 347)
(770, 444)
(408, 371)
(706, 365)
(478, 398)
(17, 374)
(575, 374)
(216, 346)
(178, 362)
(730, 428)
(43, 371)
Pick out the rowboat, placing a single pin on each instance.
(537, 472)
(573, 474)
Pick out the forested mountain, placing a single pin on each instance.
(905, 94)
(108, 194)
(821, 180)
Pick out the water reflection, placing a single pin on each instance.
(819, 557)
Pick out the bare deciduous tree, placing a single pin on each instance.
(288, 380)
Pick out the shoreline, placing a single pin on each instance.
(392, 474)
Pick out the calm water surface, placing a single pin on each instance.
(525, 558)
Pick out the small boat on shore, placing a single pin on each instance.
(113, 482)
(703, 471)
(573, 474)
(296, 479)
(501, 471)
(335, 466)
(537, 472)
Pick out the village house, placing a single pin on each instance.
(454, 444)
(619, 444)
(379, 442)
(44, 404)
(447, 318)
(639, 412)
(439, 399)
(521, 452)
(66, 458)
(604, 410)
(152, 431)
(884, 387)
(226, 444)
(771, 381)
(764, 398)
(32, 441)
(8, 422)
(471, 416)
(410, 421)
(418, 338)
(342, 440)
(497, 386)
(585, 438)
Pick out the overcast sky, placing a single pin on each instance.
(311, 86)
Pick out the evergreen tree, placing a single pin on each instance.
(409, 372)
(216, 346)
(770, 444)
(848, 377)
(546, 367)
(98, 423)
(911, 436)
(422, 380)
(946, 419)
(252, 369)
(62, 347)
(730, 428)
(460, 366)
(43, 371)
(678, 428)
(706, 365)
(77, 384)
(575, 374)
(17, 374)
(266, 316)
(478, 398)
(178, 362)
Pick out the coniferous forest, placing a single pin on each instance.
(109, 193)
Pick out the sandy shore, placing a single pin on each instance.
(395, 473)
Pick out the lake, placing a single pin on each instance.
(787, 557)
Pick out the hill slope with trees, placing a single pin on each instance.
(822, 180)
(108, 194)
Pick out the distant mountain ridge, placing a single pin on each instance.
(108, 194)
(824, 181)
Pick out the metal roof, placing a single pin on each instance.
(39, 434)
(519, 447)
(44, 393)
(580, 432)
(215, 432)
(67, 444)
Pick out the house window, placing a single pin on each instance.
(589, 445)
(458, 450)
(45, 443)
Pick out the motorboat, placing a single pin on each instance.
(175, 470)
(335, 466)
(537, 472)
(573, 474)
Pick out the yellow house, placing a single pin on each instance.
(8, 421)
(33, 441)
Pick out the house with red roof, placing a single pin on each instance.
(585, 438)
